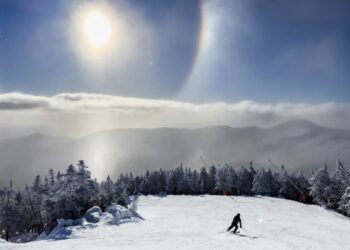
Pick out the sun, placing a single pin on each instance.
(97, 29)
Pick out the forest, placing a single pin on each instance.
(36, 208)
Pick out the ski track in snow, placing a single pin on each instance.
(200, 222)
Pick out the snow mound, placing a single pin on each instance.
(120, 215)
(114, 215)
(119, 212)
(64, 229)
(93, 214)
(70, 222)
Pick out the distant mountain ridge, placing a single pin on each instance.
(298, 144)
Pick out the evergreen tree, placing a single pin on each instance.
(121, 191)
(171, 182)
(203, 181)
(344, 203)
(107, 192)
(51, 178)
(211, 180)
(195, 183)
(261, 184)
(340, 180)
(319, 182)
(234, 179)
(245, 182)
(146, 183)
(35, 197)
(287, 189)
(179, 179)
(302, 182)
(219, 181)
(162, 182)
(9, 212)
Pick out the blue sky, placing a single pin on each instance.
(265, 51)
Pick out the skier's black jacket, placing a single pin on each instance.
(236, 220)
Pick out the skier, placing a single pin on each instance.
(234, 223)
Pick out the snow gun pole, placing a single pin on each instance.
(283, 171)
(205, 163)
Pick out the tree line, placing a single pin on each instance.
(68, 195)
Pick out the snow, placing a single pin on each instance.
(199, 222)
(93, 214)
(119, 212)
(114, 215)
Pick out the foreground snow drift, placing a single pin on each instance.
(114, 215)
(199, 222)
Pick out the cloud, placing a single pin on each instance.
(82, 113)
(17, 101)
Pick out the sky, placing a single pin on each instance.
(170, 63)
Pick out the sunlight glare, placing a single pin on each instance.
(97, 28)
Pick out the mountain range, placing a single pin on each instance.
(298, 144)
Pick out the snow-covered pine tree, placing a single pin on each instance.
(146, 183)
(287, 189)
(223, 180)
(319, 182)
(227, 180)
(63, 201)
(59, 176)
(35, 197)
(234, 181)
(171, 187)
(187, 179)
(86, 189)
(179, 179)
(302, 182)
(162, 182)
(245, 181)
(121, 191)
(195, 184)
(261, 183)
(219, 181)
(274, 185)
(138, 184)
(203, 181)
(342, 175)
(211, 180)
(32, 210)
(51, 177)
(132, 184)
(72, 195)
(344, 203)
(107, 192)
(340, 180)
(9, 212)
(37, 185)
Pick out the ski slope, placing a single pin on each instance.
(199, 222)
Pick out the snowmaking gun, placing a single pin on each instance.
(302, 196)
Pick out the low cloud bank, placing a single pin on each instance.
(82, 113)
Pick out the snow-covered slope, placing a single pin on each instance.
(199, 222)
